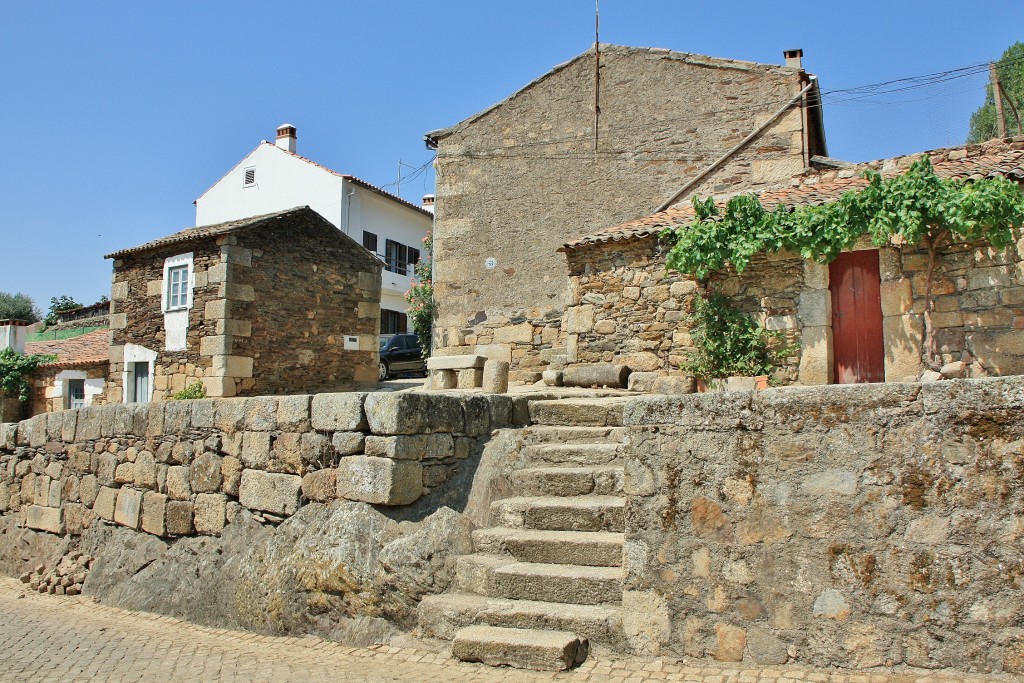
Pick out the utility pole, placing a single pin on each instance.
(997, 92)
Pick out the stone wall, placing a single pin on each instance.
(307, 299)
(272, 308)
(851, 526)
(136, 318)
(182, 468)
(626, 308)
(43, 399)
(522, 178)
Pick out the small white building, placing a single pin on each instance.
(273, 177)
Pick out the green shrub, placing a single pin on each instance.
(191, 392)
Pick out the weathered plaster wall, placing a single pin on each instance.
(857, 526)
(180, 468)
(522, 179)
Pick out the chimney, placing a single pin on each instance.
(12, 335)
(428, 203)
(286, 137)
(794, 60)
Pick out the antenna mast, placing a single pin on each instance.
(597, 70)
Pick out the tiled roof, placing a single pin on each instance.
(972, 162)
(357, 181)
(202, 232)
(91, 348)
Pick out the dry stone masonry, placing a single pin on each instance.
(184, 468)
(860, 526)
(503, 213)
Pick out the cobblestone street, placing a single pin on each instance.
(48, 638)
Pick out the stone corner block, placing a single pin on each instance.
(128, 509)
(380, 481)
(45, 519)
(338, 412)
(414, 413)
(277, 494)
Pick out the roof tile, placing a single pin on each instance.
(995, 158)
(91, 348)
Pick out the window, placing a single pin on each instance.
(139, 390)
(393, 322)
(249, 178)
(370, 241)
(177, 287)
(176, 297)
(75, 393)
(414, 257)
(396, 257)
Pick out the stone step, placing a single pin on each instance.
(537, 434)
(520, 648)
(473, 572)
(590, 548)
(568, 481)
(568, 455)
(578, 412)
(441, 616)
(560, 513)
(557, 583)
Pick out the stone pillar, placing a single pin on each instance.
(814, 312)
(470, 378)
(495, 379)
(443, 379)
(902, 330)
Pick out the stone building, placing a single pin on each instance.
(78, 376)
(273, 304)
(273, 177)
(519, 179)
(626, 308)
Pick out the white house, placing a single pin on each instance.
(273, 177)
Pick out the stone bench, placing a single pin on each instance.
(456, 372)
(468, 372)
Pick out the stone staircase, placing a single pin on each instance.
(546, 578)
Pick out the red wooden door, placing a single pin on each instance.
(854, 281)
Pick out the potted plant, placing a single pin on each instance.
(729, 345)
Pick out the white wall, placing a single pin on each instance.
(369, 211)
(283, 181)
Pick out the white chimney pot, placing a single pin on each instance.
(286, 137)
(12, 335)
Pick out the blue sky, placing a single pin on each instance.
(117, 115)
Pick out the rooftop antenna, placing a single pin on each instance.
(597, 70)
(401, 163)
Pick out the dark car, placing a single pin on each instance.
(400, 353)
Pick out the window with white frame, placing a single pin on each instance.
(177, 287)
(178, 280)
(249, 177)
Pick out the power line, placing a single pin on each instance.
(856, 95)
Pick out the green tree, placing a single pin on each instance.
(421, 297)
(1010, 68)
(58, 304)
(915, 208)
(18, 307)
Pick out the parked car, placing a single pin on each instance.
(400, 353)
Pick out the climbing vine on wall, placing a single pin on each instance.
(916, 208)
(421, 297)
(15, 369)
